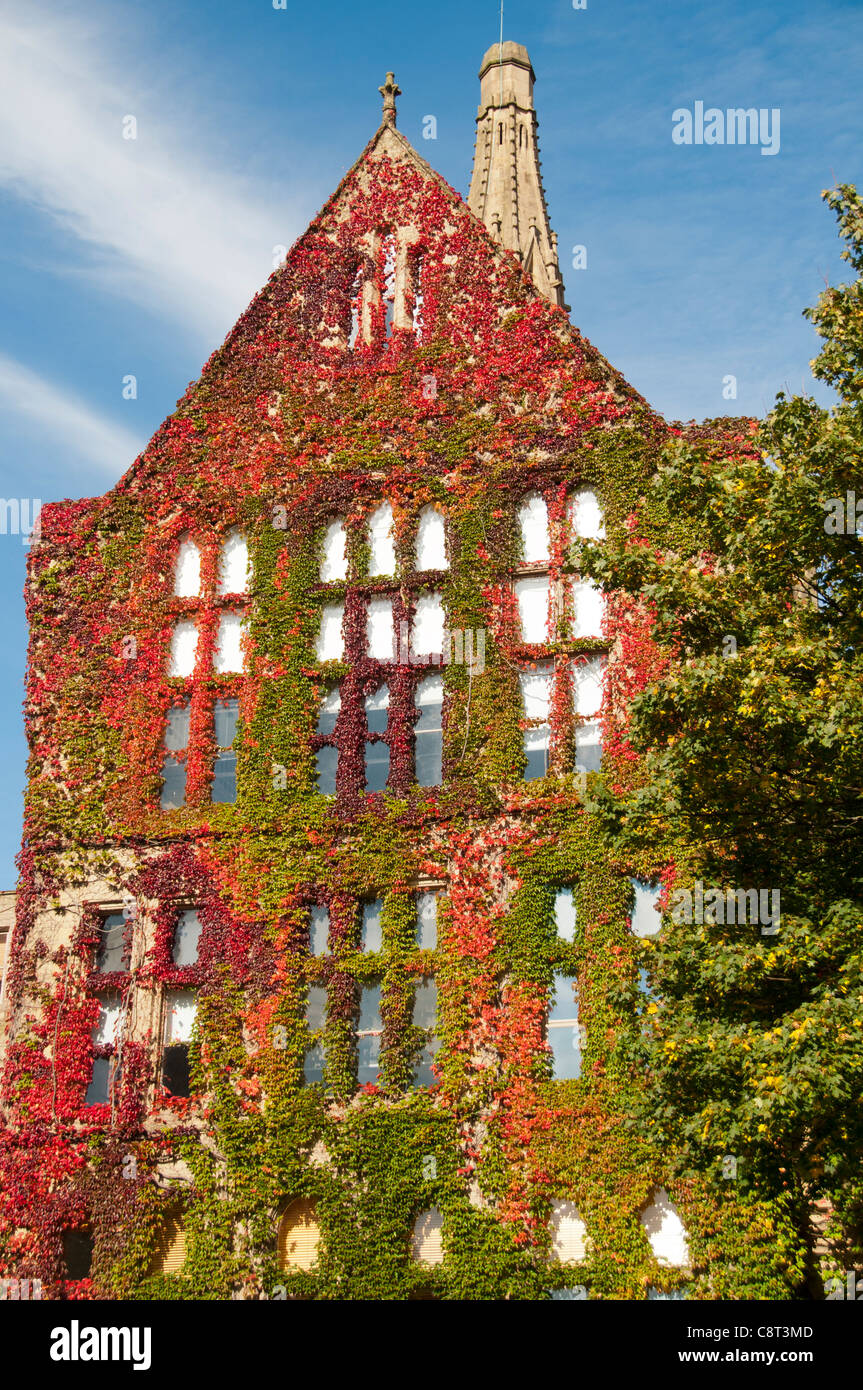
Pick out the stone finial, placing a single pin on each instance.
(389, 91)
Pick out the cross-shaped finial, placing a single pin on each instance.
(389, 91)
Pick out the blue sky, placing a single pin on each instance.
(123, 257)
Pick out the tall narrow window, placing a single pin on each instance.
(319, 930)
(299, 1236)
(382, 553)
(388, 285)
(427, 1237)
(427, 921)
(427, 637)
(533, 597)
(77, 1252)
(187, 571)
(369, 1030)
(563, 1030)
(112, 953)
(428, 731)
(330, 645)
(425, 1017)
(334, 561)
(588, 677)
(105, 1073)
(417, 322)
(536, 688)
(187, 938)
(355, 328)
(234, 564)
(225, 715)
(371, 937)
(174, 767)
(184, 649)
(327, 755)
(646, 918)
(380, 630)
(587, 608)
(565, 914)
(533, 521)
(431, 541)
(377, 750)
(316, 1022)
(568, 1232)
(180, 1010)
(229, 655)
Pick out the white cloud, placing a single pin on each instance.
(64, 417)
(152, 220)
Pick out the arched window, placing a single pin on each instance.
(334, 561)
(299, 1235)
(234, 564)
(431, 540)
(585, 516)
(187, 570)
(664, 1229)
(568, 1232)
(533, 520)
(427, 1237)
(382, 553)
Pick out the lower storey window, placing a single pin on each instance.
(564, 1035)
(180, 1010)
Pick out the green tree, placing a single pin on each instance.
(753, 760)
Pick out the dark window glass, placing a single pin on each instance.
(313, 1064)
(329, 714)
(98, 1092)
(173, 784)
(112, 952)
(428, 732)
(77, 1254)
(536, 751)
(175, 1069)
(224, 787)
(327, 759)
(187, 938)
(369, 1035)
(377, 710)
(377, 766)
(424, 1016)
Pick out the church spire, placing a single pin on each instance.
(506, 190)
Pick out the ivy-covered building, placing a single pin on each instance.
(322, 984)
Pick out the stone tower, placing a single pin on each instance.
(506, 190)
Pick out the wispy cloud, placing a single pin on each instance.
(58, 414)
(152, 220)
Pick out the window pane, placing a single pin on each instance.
(428, 626)
(234, 564)
(180, 1009)
(431, 540)
(175, 1070)
(187, 936)
(425, 1004)
(380, 634)
(532, 596)
(370, 1009)
(187, 573)
(177, 729)
(382, 554)
(565, 1005)
(331, 707)
(422, 1073)
(327, 760)
(97, 1091)
(173, 784)
(368, 1059)
(223, 789)
(646, 918)
(371, 938)
(427, 921)
(588, 746)
(565, 914)
(587, 608)
(565, 1051)
(107, 1027)
(536, 686)
(112, 953)
(533, 520)
(587, 679)
(377, 710)
(319, 930)
(225, 716)
(330, 645)
(184, 648)
(334, 563)
(428, 699)
(316, 1008)
(585, 516)
(377, 766)
(313, 1064)
(536, 751)
(229, 655)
